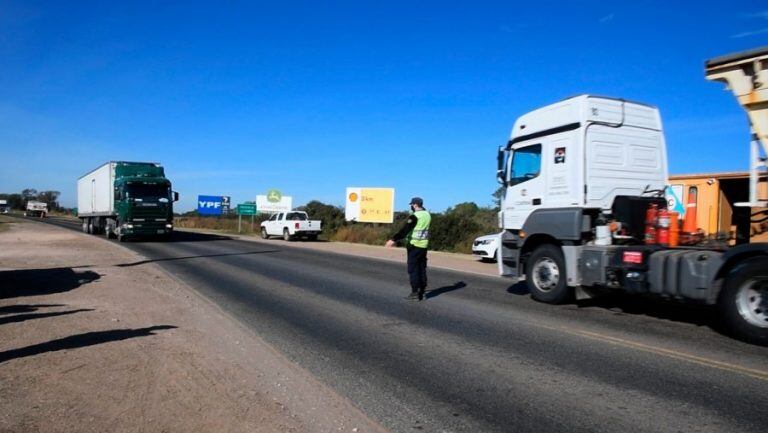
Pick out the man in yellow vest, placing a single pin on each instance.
(416, 235)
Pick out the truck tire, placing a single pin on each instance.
(545, 275)
(286, 235)
(91, 228)
(85, 225)
(264, 234)
(743, 302)
(107, 232)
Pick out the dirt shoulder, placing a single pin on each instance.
(437, 259)
(88, 343)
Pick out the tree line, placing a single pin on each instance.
(19, 200)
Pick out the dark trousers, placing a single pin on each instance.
(417, 268)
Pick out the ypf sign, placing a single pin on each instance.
(211, 204)
(370, 205)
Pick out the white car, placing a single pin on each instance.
(486, 247)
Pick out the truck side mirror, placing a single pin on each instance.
(175, 196)
(500, 164)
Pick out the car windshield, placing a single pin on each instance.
(296, 216)
(146, 191)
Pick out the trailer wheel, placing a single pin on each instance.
(743, 302)
(85, 225)
(264, 234)
(91, 228)
(545, 275)
(286, 235)
(107, 232)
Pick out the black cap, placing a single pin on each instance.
(417, 201)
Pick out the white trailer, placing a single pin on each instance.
(95, 192)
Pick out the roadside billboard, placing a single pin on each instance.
(212, 204)
(274, 201)
(370, 205)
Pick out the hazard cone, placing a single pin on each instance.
(689, 223)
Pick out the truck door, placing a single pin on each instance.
(525, 185)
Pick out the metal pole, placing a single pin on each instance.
(239, 222)
(251, 223)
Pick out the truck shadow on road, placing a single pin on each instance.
(37, 282)
(170, 259)
(621, 304)
(628, 305)
(80, 340)
(183, 236)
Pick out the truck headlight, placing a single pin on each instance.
(128, 226)
(169, 226)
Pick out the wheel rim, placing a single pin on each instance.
(546, 274)
(752, 301)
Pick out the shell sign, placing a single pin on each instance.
(370, 205)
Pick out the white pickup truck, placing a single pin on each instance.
(290, 225)
(36, 209)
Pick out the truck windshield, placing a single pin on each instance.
(145, 191)
(526, 164)
(296, 216)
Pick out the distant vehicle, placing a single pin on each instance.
(126, 199)
(290, 225)
(3, 206)
(486, 247)
(36, 209)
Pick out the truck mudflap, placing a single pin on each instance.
(684, 274)
(509, 254)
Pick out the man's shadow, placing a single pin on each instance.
(445, 289)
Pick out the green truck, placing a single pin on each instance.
(126, 199)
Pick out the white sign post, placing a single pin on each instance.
(274, 202)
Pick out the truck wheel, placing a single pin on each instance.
(91, 228)
(545, 275)
(743, 302)
(286, 235)
(85, 225)
(264, 234)
(107, 232)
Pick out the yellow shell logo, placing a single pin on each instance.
(353, 197)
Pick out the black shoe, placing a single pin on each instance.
(413, 296)
(421, 295)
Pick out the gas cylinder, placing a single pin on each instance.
(662, 227)
(650, 223)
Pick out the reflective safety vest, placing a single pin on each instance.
(419, 236)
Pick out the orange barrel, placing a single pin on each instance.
(674, 228)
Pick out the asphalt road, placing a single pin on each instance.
(478, 355)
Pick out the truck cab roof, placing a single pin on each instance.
(574, 112)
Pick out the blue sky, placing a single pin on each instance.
(237, 98)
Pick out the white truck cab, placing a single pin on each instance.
(581, 152)
(579, 177)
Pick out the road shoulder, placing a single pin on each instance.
(93, 338)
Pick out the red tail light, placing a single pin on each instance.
(633, 257)
(297, 226)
